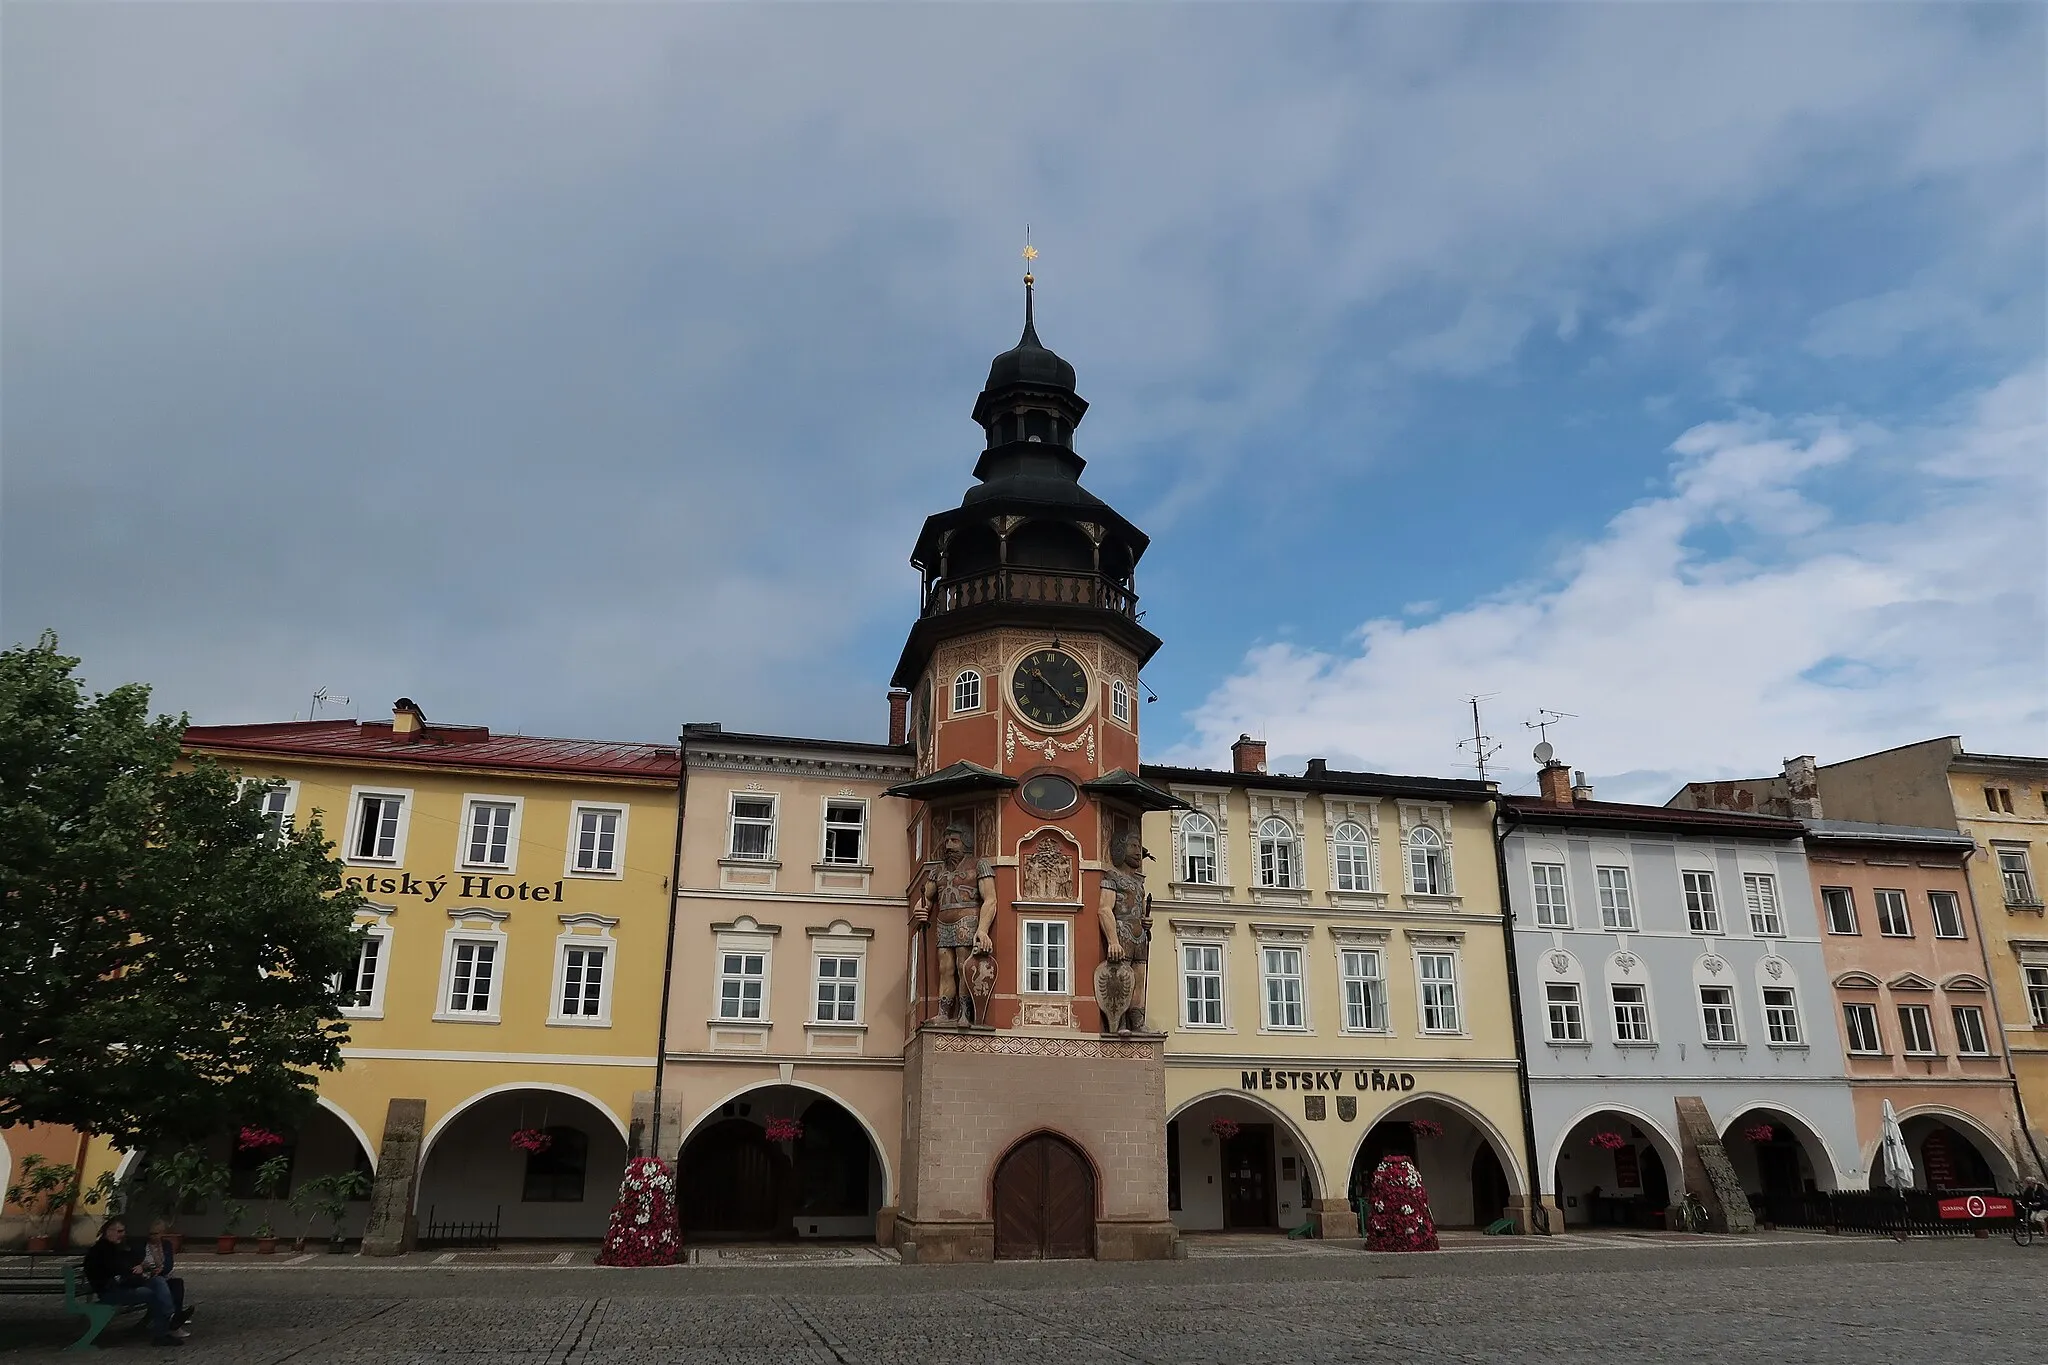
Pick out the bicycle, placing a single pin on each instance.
(1691, 1214)
(2024, 1231)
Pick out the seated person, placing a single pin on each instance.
(119, 1276)
(159, 1257)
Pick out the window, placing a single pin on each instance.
(359, 986)
(1198, 849)
(1426, 862)
(1839, 902)
(1860, 1023)
(1617, 901)
(279, 800)
(1565, 1014)
(1702, 913)
(1631, 1014)
(583, 976)
(1892, 920)
(1282, 968)
(1948, 914)
(598, 833)
(1971, 1040)
(1120, 702)
(377, 826)
(555, 1176)
(1201, 966)
(2037, 994)
(489, 841)
(472, 973)
(967, 692)
(1717, 1015)
(1438, 973)
(846, 823)
(753, 827)
(2019, 881)
(1045, 956)
(1365, 990)
(1760, 894)
(1916, 1028)
(1781, 1016)
(838, 990)
(1279, 857)
(1351, 857)
(1551, 911)
(741, 978)
(1998, 799)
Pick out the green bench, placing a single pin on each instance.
(96, 1314)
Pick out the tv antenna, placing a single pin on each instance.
(1481, 743)
(322, 698)
(1545, 718)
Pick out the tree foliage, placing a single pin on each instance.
(168, 959)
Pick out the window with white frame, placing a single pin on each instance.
(599, 832)
(2037, 994)
(1201, 985)
(1892, 918)
(967, 692)
(487, 834)
(1551, 910)
(1760, 894)
(1859, 1022)
(1364, 976)
(1351, 857)
(2017, 876)
(585, 976)
(1279, 853)
(379, 826)
(1564, 1012)
(1617, 899)
(1120, 702)
(838, 993)
(1631, 1013)
(753, 827)
(1046, 956)
(1839, 904)
(742, 984)
(1198, 849)
(362, 986)
(1425, 862)
(1717, 1015)
(280, 799)
(1948, 914)
(1916, 1030)
(1702, 910)
(1437, 975)
(1971, 1039)
(472, 976)
(1781, 1016)
(846, 824)
(1280, 968)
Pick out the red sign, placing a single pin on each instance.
(1977, 1206)
(1628, 1174)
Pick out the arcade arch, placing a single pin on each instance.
(471, 1173)
(1468, 1169)
(777, 1162)
(1235, 1162)
(1616, 1165)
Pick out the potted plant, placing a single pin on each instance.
(270, 1178)
(44, 1188)
(304, 1202)
(225, 1243)
(334, 1194)
(185, 1178)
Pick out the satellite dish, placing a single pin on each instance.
(1544, 753)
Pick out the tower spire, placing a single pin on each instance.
(1030, 255)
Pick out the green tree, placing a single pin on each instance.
(169, 958)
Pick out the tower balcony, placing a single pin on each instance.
(1010, 585)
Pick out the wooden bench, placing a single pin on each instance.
(96, 1314)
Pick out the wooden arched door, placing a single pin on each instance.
(1044, 1202)
(732, 1182)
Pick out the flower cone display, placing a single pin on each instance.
(1398, 1209)
(643, 1229)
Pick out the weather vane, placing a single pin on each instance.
(1030, 253)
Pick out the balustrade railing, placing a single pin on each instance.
(1030, 585)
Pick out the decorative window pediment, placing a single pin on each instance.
(1963, 981)
(1910, 981)
(1856, 981)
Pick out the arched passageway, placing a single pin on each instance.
(1235, 1165)
(264, 1181)
(1947, 1155)
(779, 1162)
(1776, 1155)
(1616, 1169)
(1044, 1202)
(472, 1173)
(1468, 1178)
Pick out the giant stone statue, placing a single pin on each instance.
(1127, 934)
(956, 894)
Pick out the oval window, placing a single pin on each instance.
(1049, 794)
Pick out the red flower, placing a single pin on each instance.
(1223, 1128)
(785, 1130)
(643, 1229)
(258, 1139)
(532, 1141)
(1426, 1128)
(1613, 1142)
(1762, 1132)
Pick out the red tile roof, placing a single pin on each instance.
(455, 746)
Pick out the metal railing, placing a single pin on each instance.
(1030, 585)
(476, 1234)
(1914, 1212)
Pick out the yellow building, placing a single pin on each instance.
(510, 972)
(1329, 968)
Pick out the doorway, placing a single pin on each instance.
(1489, 1187)
(733, 1182)
(1248, 1177)
(1044, 1202)
(1777, 1165)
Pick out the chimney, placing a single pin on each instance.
(406, 717)
(1555, 782)
(1318, 767)
(1582, 790)
(1248, 755)
(1802, 787)
(899, 715)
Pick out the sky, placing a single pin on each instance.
(587, 369)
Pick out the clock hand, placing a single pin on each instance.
(1054, 690)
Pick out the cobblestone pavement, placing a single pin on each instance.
(1645, 1301)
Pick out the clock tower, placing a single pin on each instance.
(1034, 1085)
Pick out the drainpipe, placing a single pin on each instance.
(668, 961)
(1998, 1015)
(1538, 1216)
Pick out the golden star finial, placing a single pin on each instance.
(1030, 252)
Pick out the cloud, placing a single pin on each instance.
(1800, 631)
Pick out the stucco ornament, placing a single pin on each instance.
(1560, 962)
(1714, 965)
(1775, 966)
(1625, 961)
(1126, 914)
(956, 896)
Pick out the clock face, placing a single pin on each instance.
(1049, 687)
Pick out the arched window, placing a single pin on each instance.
(1426, 862)
(1352, 855)
(1279, 856)
(1120, 702)
(555, 1176)
(1198, 849)
(967, 692)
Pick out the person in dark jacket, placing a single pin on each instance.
(119, 1276)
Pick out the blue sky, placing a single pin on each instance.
(586, 370)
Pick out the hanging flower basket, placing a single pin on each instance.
(1223, 1128)
(532, 1141)
(1613, 1142)
(1762, 1132)
(785, 1130)
(258, 1140)
(1426, 1128)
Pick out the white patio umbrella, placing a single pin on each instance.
(1898, 1162)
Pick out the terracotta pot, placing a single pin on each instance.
(266, 1246)
(224, 1245)
(337, 1246)
(38, 1244)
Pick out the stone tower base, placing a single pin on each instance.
(970, 1096)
